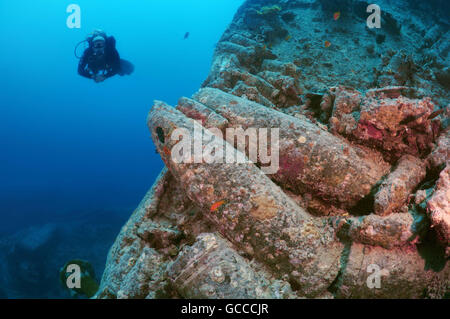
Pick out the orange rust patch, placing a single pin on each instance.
(166, 151)
(265, 208)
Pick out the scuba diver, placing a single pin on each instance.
(101, 59)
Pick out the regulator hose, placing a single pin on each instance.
(76, 48)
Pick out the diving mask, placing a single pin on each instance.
(98, 45)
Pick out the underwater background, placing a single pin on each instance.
(76, 157)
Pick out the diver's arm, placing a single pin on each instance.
(113, 69)
(109, 73)
(82, 68)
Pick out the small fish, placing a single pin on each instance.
(186, 35)
(327, 44)
(411, 118)
(216, 206)
(288, 37)
(435, 114)
(264, 47)
(89, 285)
(336, 15)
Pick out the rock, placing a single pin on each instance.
(223, 274)
(441, 153)
(220, 76)
(287, 88)
(137, 262)
(387, 120)
(251, 92)
(439, 209)
(351, 174)
(38, 236)
(395, 190)
(243, 40)
(373, 272)
(390, 113)
(421, 195)
(131, 263)
(288, 69)
(201, 113)
(249, 210)
(387, 232)
(345, 115)
(145, 277)
(246, 55)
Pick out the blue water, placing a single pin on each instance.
(69, 146)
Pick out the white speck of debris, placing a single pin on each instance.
(301, 139)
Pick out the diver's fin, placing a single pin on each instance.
(126, 67)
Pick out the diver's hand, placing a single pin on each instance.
(99, 78)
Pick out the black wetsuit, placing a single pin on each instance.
(107, 65)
